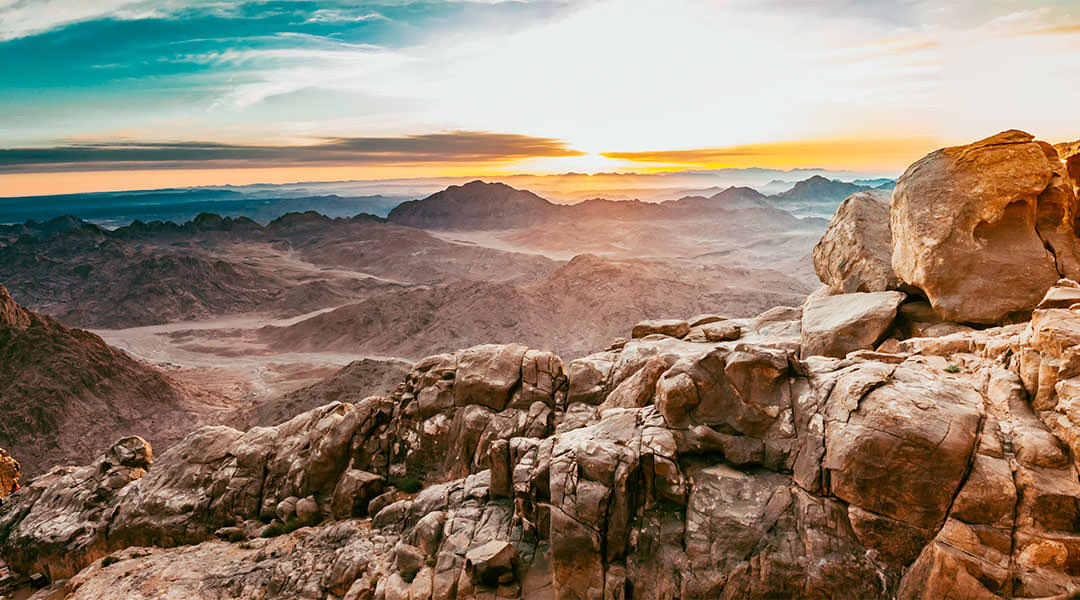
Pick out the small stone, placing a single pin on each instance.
(307, 509)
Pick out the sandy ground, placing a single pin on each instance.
(225, 362)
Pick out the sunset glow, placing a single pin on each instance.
(126, 94)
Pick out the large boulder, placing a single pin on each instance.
(985, 229)
(855, 254)
(836, 325)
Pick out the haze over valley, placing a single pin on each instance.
(251, 310)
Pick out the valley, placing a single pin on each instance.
(249, 312)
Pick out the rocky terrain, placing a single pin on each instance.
(895, 436)
(65, 394)
(251, 311)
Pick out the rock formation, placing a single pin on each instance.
(984, 230)
(1069, 152)
(738, 471)
(796, 454)
(834, 325)
(855, 254)
(9, 473)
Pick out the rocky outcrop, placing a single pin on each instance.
(855, 254)
(1069, 152)
(9, 473)
(786, 458)
(984, 230)
(661, 468)
(669, 327)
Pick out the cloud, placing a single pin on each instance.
(839, 153)
(446, 147)
(21, 18)
(329, 15)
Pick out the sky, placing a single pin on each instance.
(137, 94)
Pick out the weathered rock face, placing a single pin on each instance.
(1069, 152)
(838, 324)
(855, 254)
(985, 229)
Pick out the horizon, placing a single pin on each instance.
(138, 95)
(512, 180)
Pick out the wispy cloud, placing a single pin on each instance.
(330, 15)
(447, 147)
(20, 18)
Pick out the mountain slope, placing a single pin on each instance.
(355, 381)
(557, 312)
(65, 394)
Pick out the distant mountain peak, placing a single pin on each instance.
(475, 205)
(816, 185)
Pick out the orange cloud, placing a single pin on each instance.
(869, 154)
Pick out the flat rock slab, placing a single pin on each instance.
(835, 325)
(670, 327)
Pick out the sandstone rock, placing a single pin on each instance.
(638, 389)
(543, 377)
(836, 325)
(588, 378)
(855, 253)
(1069, 152)
(408, 560)
(669, 327)
(307, 509)
(354, 492)
(742, 391)
(719, 332)
(491, 563)
(286, 509)
(700, 320)
(486, 375)
(9, 473)
(1064, 294)
(985, 229)
(72, 518)
(900, 447)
